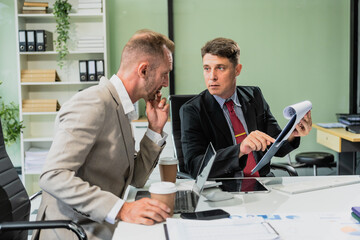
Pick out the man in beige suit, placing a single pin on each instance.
(92, 159)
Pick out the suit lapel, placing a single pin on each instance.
(125, 126)
(218, 119)
(248, 111)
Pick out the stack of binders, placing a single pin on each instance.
(91, 70)
(35, 40)
(35, 7)
(356, 213)
(90, 6)
(38, 75)
(40, 105)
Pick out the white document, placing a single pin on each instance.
(299, 110)
(229, 229)
(294, 113)
(318, 184)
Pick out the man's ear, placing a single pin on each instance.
(238, 69)
(142, 69)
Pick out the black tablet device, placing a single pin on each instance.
(241, 185)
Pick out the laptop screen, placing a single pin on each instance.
(206, 166)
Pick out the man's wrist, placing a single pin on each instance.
(115, 212)
(157, 138)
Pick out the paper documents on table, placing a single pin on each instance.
(313, 185)
(229, 229)
(294, 113)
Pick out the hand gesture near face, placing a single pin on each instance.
(157, 111)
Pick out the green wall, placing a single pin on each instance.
(8, 65)
(125, 17)
(293, 49)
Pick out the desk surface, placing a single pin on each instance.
(340, 132)
(337, 200)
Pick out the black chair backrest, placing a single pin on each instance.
(14, 200)
(176, 101)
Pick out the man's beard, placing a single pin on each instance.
(148, 86)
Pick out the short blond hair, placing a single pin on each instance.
(146, 44)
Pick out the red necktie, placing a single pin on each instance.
(240, 135)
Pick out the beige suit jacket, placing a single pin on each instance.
(91, 162)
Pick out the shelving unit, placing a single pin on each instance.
(39, 126)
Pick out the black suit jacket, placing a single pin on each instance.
(203, 121)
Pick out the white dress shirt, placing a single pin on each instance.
(130, 112)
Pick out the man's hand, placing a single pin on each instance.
(144, 211)
(255, 141)
(302, 128)
(157, 113)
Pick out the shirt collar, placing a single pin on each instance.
(127, 105)
(222, 101)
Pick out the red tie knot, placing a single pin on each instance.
(230, 105)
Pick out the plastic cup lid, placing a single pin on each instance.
(162, 188)
(168, 161)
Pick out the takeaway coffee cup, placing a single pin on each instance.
(168, 169)
(164, 192)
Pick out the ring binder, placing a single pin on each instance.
(44, 41)
(99, 69)
(30, 47)
(22, 40)
(83, 70)
(91, 70)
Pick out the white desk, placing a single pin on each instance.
(275, 204)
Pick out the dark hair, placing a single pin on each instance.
(222, 47)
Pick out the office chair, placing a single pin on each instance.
(15, 204)
(315, 160)
(176, 101)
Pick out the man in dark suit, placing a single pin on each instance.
(236, 119)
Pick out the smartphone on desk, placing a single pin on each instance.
(206, 215)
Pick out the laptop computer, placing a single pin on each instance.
(187, 200)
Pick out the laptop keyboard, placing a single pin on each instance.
(183, 202)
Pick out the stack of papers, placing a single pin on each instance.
(90, 6)
(35, 7)
(229, 229)
(35, 159)
(90, 43)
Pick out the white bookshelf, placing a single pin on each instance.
(39, 126)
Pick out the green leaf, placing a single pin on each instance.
(61, 13)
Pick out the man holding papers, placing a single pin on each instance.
(236, 119)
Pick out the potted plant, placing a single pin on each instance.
(61, 12)
(9, 114)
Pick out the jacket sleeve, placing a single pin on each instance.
(145, 161)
